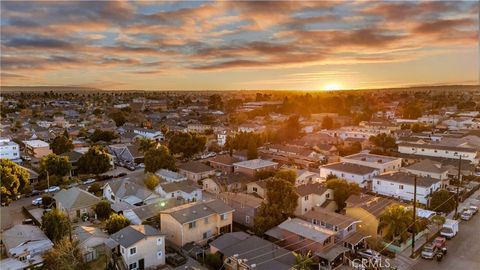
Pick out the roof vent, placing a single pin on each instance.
(194, 211)
(205, 208)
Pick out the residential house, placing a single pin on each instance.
(91, 241)
(429, 168)
(382, 163)
(311, 195)
(439, 150)
(250, 251)
(124, 190)
(305, 177)
(251, 167)
(198, 128)
(9, 149)
(24, 245)
(367, 209)
(226, 182)
(126, 153)
(170, 176)
(197, 222)
(195, 170)
(302, 236)
(223, 163)
(139, 246)
(401, 185)
(351, 172)
(245, 206)
(150, 212)
(37, 148)
(73, 157)
(187, 190)
(76, 202)
(258, 188)
(146, 133)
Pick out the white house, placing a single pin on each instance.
(429, 168)
(222, 138)
(170, 176)
(354, 173)
(9, 149)
(140, 246)
(186, 190)
(401, 185)
(439, 150)
(382, 163)
(124, 190)
(149, 133)
(311, 195)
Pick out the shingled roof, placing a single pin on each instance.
(75, 198)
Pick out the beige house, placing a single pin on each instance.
(140, 247)
(195, 170)
(251, 167)
(196, 222)
(258, 188)
(91, 241)
(311, 195)
(37, 148)
(76, 202)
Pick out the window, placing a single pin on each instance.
(315, 221)
(122, 250)
(378, 182)
(159, 241)
(133, 266)
(207, 234)
(159, 254)
(206, 220)
(173, 194)
(305, 198)
(133, 251)
(400, 186)
(255, 189)
(350, 228)
(323, 223)
(327, 195)
(192, 224)
(112, 197)
(223, 216)
(247, 219)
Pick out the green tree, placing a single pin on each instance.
(55, 224)
(327, 122)
(119, 118)
(103, 210)
(151, 181)
(55, 165)
(383, 141)
(115, 223)
(103, 135)
(187, 144)
(411, 111)
(95, 188)
(214, 260)
(159, 158)
(252, 152)
(61, 144)
(65, 255)
(442, 201)
(303, 261)
(264, 174)
(145, 144)
(292, 128)
(342, 190)
(395, 222)
(289, 175)
(281, 201)
(96, 160)
(47, 201)
(14, 179)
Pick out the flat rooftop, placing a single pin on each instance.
(255, 163)
(371, 158)
(36, 143)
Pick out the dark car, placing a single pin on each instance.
(122, 174)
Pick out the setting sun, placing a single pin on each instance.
(332, 87)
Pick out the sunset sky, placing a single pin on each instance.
(239, 45)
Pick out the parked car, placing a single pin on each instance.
(130, 167)
(37, 201)
(473, 208)
(26, 158)
(429, 251)
(369, 254)
(34, 193)
(27, 221)
(52, 189)
(89, 181)
(176, 259)
(466, 215)
(441, 244)
(122, 174)
(73, 185)
(141, 165)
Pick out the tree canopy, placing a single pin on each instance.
(151, 181)
(115, 223)
(61, 144)
(383, 141)
(159, 158)
(55, 165)
(442, 201)
(103, 210)
(252, 152)
(55, 224)
(119, 118)
(96, 160)
(395, 222)
(342, 190)
(65, 255)
(187, 144)
(103, 135)
(14, 179)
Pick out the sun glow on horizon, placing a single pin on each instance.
(332, 87)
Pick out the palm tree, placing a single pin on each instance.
(395, 222)
(303, 261)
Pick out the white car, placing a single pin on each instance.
(52, 189)
(473, 208)
(466, 215)
(89, 181)
(369, 254)
(37, 201)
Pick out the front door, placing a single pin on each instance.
(141, 264)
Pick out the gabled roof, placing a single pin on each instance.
(350, 168)
(197, 210)
(372, 204)
(255, 163)
(73, 156)
(241, 198)
(232, 178)
(311, 188)
(132, 234)
(185, 186)
(124, 188)
(224, 160)
(406, 178)
(427, 165)
(329, 217)
(306, 229)
(76, 198)
(20, 234)
(83, 233)
(195, 167)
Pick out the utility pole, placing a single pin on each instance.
(414, 214)
(457, 197)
